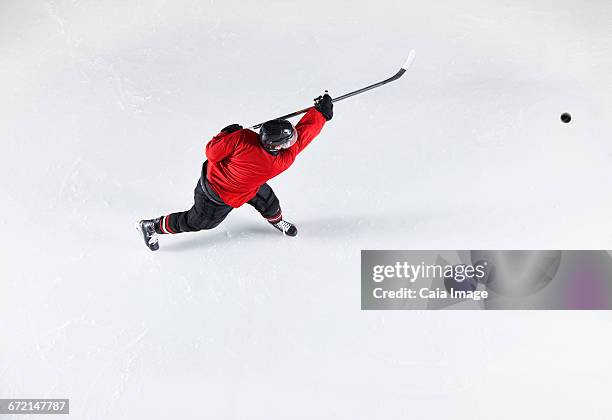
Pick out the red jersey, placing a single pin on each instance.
(238, 164)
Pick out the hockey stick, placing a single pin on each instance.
(396, 76)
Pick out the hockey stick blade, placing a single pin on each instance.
(400, 73)
(410, 59)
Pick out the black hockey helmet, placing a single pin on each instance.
(277, 134)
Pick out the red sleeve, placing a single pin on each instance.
(308, 128)
(221, 146)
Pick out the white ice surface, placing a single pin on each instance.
(105, 110)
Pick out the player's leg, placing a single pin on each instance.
(204, 214)
(267, 204)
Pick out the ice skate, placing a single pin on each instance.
(147, 230)
(286, 227)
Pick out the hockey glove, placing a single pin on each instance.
(231, 128)
(324, 105)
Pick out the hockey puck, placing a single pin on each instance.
(566, 117)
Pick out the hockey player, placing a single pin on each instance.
(240, 162)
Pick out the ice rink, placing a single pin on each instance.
(106, 109)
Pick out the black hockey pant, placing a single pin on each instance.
(207, 214)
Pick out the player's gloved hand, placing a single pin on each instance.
(231, 128)
(324, 105)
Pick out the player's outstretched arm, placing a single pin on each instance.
(313, 121)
